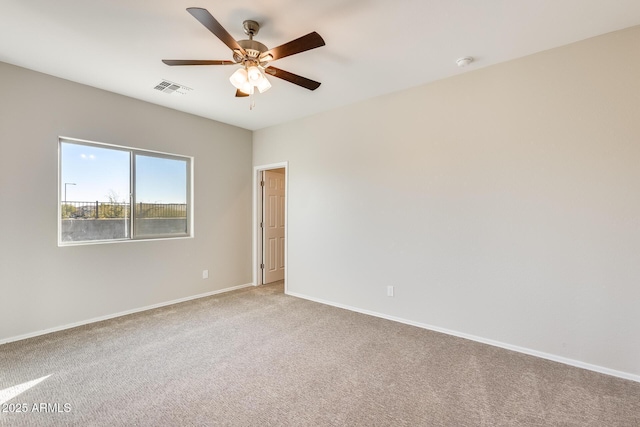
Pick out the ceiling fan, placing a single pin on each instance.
(253, 56)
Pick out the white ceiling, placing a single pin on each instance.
(372, 47)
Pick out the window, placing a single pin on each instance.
(113, 193)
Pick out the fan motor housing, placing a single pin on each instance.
(253, 49)
(252, 45)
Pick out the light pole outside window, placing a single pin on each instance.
(65, 190)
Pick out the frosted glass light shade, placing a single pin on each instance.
(247, 88)
(239, 79)
(254, 74)
(263, 85)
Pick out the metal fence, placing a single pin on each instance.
(161, 210)
(99, 210)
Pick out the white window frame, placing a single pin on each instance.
(132, 199)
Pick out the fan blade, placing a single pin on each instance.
(302, 44)
(293, 78)
(240, 94)
(196, 62)
(214, 26)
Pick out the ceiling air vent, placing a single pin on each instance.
(170, 87)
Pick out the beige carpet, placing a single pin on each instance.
(256, 357)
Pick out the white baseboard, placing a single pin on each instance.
(122, 313)
(524, 350)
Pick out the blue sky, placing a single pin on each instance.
(100, 172)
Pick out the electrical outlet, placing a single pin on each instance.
(389, 291)
(205, 274)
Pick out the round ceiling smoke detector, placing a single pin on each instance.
(463, 62)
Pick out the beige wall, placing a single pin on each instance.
(502, 204)
(44, 286)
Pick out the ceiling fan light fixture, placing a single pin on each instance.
(247, 79)
(239, 78)
(247, 88)
(263, 85)
(254, 74)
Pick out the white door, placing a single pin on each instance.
(273, 239)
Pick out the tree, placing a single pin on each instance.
(114, 208)
(68, 211)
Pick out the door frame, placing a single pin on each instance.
(257, 215)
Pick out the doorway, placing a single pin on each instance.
(270, 224)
